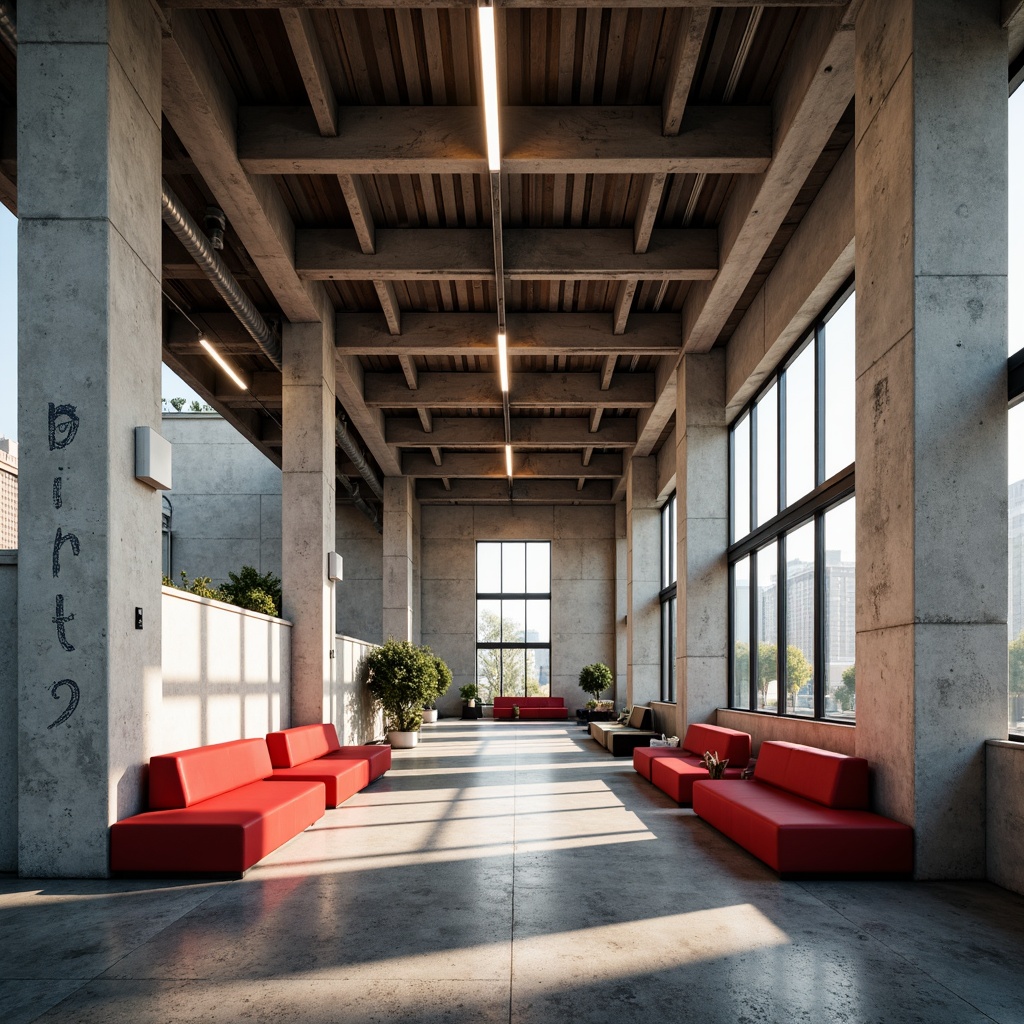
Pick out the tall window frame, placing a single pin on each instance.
(505, 661)
(761, 537)
(667, 597)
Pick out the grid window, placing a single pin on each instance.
(668, 599)
(792, 558)
(513, 619)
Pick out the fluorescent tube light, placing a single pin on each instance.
(508, 461)
(489, 70)
(219, 360)
(503, 362)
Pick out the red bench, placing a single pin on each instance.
(806, 812)
(212, 811)
(531, 707)
(313, 753)
(674, 770)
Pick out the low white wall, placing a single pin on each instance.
(8, 710)
(1004, 776)
(351, 709)
(226, 673)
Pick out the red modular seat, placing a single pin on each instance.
(313, 752)
(213, 812)
(531, 707)
(806, 812)
(675, 769)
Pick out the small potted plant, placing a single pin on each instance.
(470, 701)
(716, 768)
(594, 679)
(515, 710)
(401, 678)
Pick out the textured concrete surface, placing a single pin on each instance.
(400, 593)
(226, 500)
(89, 329)
(359, 598)
(514, 873)
(308, 514)
(643, 582)
(9, 711)
(827, 735)
(930, 211)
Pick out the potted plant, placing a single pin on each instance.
(401, 677)
(469, 694)
(594, 679)
(444, 680)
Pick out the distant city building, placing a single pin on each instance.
(8, 493)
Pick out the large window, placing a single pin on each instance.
(668, 599)
(792, 559)
(513, 619)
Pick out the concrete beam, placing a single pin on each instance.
(262, 5)
(527, 465)
(524, 492)
(569, 432)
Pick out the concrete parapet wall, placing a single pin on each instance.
(8, 710)
(826, 735)
(1004, 777)
(226, 674)
(351, 709)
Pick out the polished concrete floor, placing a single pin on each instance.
(510, 872)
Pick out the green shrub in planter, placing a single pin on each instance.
(444, 678)
(249, 589)
(402, 679)
(595, 679)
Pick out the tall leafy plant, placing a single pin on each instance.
(595, 679)
(402, 678)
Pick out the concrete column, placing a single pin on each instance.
(88, 374)
(702, 528)
(643, 582)
(621, 602)
(307, 513)
(401, 536)
(931, 200)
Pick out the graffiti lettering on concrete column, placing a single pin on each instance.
(60, 619)
(63, 425)
(58, 542)
(72, 703)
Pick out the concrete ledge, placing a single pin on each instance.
(224, 605)
(827, 735)
(8, 557)
(1004, 819)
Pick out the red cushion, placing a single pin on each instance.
(675, 776)
(835, 780)
(728, 744)
(225, 834)
(643, 757)
(191, 776)
(529, 702)
(378, 756)
(791, 834)
(341, 777)
(290, 747)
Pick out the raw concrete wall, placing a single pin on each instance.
(226, 500)
(351, 709)
(583, 567)
(359, 597)
(226, 674)
(8, 710)
(1004, 763)
(827, 735)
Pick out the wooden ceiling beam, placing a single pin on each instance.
(524, 492)
(529, 391)
(535, 140)
(529, 334)
(538, 254)
(526, 465)
(542, 432)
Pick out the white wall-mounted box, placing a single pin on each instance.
(334, 567)
(152, 459)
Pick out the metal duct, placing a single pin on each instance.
(352, 490)
(347, 443)
(188, 232)
(8, 26)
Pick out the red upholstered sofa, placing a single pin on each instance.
(806, 812)
(531, 707)
(212, 811)
(313, 753)
(674, 770)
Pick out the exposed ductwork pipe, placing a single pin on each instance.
(352, 490)
(188, 232)
(347, 443)
(8, 25)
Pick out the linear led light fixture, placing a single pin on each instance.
(489, 69)
(503, 362)
(508, 461)
(219, 360)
